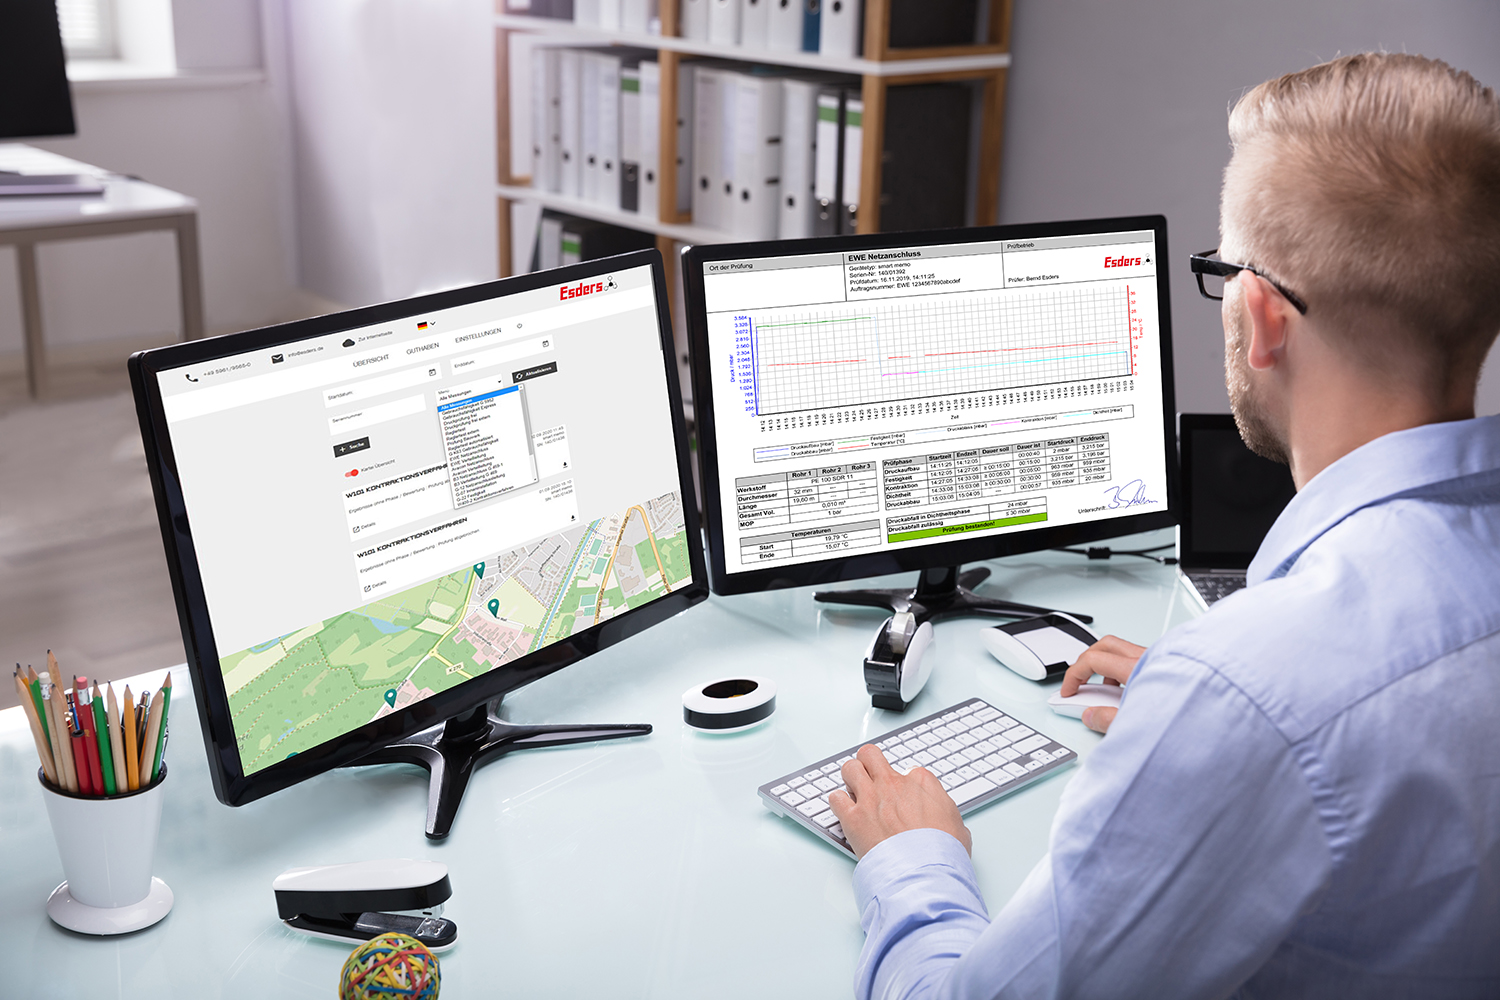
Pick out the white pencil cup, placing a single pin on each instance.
(107, 846)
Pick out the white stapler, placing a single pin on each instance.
(356, 902)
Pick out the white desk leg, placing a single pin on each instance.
(31, 320)
(189, 279)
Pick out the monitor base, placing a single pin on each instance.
(941, 592)
(452, 751)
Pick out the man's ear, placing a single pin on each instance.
(1267, 312)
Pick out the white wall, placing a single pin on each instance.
(225, 146)
(392, 108)
(1120, 109)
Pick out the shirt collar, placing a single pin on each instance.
(1403, 462)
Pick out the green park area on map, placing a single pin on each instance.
(302, 689)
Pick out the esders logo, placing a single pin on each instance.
(587, 288)
(1122, 262)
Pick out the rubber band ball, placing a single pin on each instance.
(389, 967)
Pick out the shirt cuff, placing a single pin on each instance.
(899, 856)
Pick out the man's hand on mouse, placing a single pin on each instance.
(881, 803)
(1112, 658)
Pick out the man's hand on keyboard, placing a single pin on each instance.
(881, 803)
(1112, 658)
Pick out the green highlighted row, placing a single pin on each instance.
(956, 529)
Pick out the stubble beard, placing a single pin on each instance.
(1249, 412)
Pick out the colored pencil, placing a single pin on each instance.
(116, 740)
(64, 747)
(83, 705)
(34, 688)
(34, 720)
(148, 746)
(132, 752)
(161, 740)
(101, 732)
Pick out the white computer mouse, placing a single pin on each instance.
(1088, 696)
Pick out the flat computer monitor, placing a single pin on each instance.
(36, 101)
(1230, 495)
(379, 522)
(915, 401)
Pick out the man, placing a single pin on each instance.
(1300, 795)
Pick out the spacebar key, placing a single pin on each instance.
(971, 790)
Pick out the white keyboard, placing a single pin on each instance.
(977, 751)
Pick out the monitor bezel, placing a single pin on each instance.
(952, 553)
(231, 784)
(1189, 557)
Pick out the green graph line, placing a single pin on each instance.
(812, 322)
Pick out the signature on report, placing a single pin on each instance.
(1132, 494)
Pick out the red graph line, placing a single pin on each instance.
(1130, 328)
(1040, 347)
(847, 361)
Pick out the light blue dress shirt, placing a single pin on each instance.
(1300, 796)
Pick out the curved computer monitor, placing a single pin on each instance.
(380, 521)
(914, 401)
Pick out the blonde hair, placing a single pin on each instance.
(1370, 186)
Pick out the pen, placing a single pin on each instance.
(101, 732)
(161, 741)
(132, 755)
(80, 755)
(116, 741)
(42, 749)
(83, 706)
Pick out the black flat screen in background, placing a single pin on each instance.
(34, 96)
(1235, 494)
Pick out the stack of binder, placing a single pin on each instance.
(828, 27)
(557, 239)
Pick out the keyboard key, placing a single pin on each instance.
(811, 808)
(825, 819)
(971, 790)
(942, 767)
(948, 715)
(825, 784)
(967, 773)
(1032, 765)
(1008, 753)
(904, 767)
(971, 706)
(793, 799)
(1043, 756)
(971, 754)
(837, 830)
(967, 739)
(985, 747)
(780, 790)
(945, 732)
(1006, 722)
(987, 713)
(1033, 742)
(1019, 733)
(845, 759)
(812, 775)
(1014, 770)
(798, 780)
(983, 765)
(951, 781)
(830, 767)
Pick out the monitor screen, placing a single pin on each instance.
(979, 391)
(1231, 496)
(391, 513)
(33, 72)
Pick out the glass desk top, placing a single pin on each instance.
(637, 868)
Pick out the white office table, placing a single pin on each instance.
(126, 206)
(638, 868)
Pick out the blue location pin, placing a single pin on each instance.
(390, 697)
(495, 607)
(479, 570)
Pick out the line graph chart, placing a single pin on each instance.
(868, 353)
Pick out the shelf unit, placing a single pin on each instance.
(883, 67)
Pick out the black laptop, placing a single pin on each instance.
(1230, 498)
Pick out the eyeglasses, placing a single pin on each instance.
(1213, 273)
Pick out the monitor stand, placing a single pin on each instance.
(942, 592)
(452, 751)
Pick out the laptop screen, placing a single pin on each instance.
(1231, 496)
